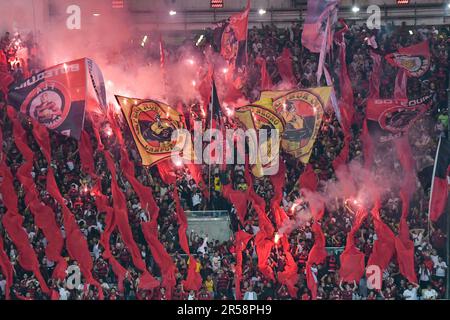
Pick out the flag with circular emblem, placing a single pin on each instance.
(153, 125)
(302, 111)
(415, 59)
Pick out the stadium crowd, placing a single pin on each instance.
(216, 260)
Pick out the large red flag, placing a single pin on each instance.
(240, 242)
(289, 276)
(284, 64)
(345, 103)
(352, 260)
(439, 188)
(374, 80)
(239, 199)
(308, 178)
(12, 222)
(403, 243)
(316, 255)
(264, 244)
(384, 247)
(266, 81)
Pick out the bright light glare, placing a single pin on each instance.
(355, 9)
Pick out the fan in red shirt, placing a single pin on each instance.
(305, 295)
(179, 293)
(347, 292)
(203, 294)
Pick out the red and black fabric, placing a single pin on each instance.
(317, 255)
(404, 246)
(149, 229)
(44, 217)
(7, 270)
(308, 179)
(384, 247)
(159, 253)
(388, 119)
(289, 276)
(264, 244)
(12, 222)
(346, 102)
(76, 243)
(5, 264)
(439, 189)
(123, 225)
(278, 181)
(374, 80)
(241, 240)
(230, 39)
(352, 260)
(239, 199)
(193, 280)
(284, 65)
(102, 204)
(266, 80)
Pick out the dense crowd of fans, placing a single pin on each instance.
(216, 260)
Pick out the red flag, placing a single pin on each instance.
(352, 260)
(231, 41)
(263, 247)
(345, 103)
(44, 217)
(159, 253)
(266, 81)
(121, 216)
(384, 247)
(308, 178)
(193, 280)
(240, 243)
(239, 199)
(12, 223)
(86, 158)
(284, 65)
(439, 189)
(7, 269)
(239, 23)
(342, 158)
(317, 255)
(289, 276)
(404, 245)
(374, 80)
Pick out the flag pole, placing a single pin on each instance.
(211, 106)
(431, 190)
